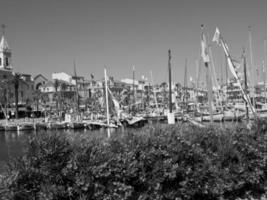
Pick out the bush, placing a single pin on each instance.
(161, 162)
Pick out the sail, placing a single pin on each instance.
(218, 39)
(204, 49)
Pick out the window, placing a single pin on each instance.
(7, 63)
(4, 76)
(21, 94)
(0, 61)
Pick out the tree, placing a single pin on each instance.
(5, 86)
(4, 96)
(16, 80)
(37, 96)
(56, 86)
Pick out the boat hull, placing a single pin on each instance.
(77, 125)
(11, 128)
(25, 127)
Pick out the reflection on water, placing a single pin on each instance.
(12, 144)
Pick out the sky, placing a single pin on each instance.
(46, 36)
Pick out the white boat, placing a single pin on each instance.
(10, 127)
(206, 118)
(77, 125)
(233, 115)
(56, 125)
(25, 127)
(134, 121)
(93, 125)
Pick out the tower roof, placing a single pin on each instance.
(3, 44)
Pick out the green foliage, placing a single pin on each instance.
(160, 162)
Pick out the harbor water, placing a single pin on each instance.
(13, 144)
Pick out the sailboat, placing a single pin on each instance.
(25, 127)
(123, 118)
(219, 40)
(77, 123)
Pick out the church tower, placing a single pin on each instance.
(5, 53)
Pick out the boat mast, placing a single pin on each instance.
(185, 82)
(251, 67)
(226, 78)
(153, 88)
(197, 79)
(170, 81)
(76, 87)
(264, 75)
(208, 79)
(245, 77)
(209, 86)
(170, 116)
(106, 94)
(133, 88)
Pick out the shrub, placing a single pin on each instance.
(160, 162)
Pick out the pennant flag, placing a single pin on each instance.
(217, 36)
(204, 49)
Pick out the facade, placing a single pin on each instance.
(5, 55)
(39, 81)
(63, 77)
(7, 87)
(130, 82)
(8, 78)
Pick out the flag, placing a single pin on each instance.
(204, 49)
(92, 76)
(217, 36)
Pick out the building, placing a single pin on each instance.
(130, 82)
(63, 77)
(9, 79)
(39, 80)
(5, 55)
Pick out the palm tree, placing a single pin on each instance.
(3, 96)
(56, 86)
(37, 95)
(16, 80)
